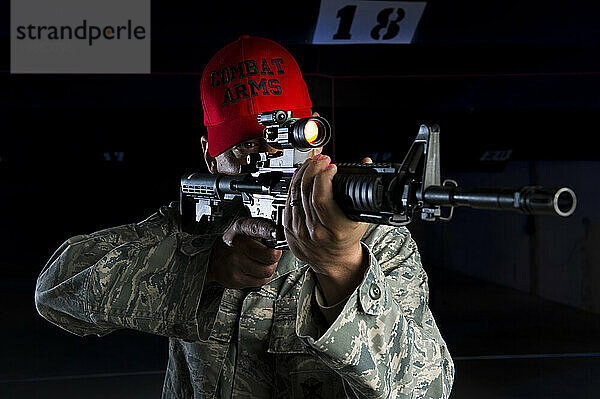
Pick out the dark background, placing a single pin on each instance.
(514, 296)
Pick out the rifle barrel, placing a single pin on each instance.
(532, 200)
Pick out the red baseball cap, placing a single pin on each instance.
(244, 78)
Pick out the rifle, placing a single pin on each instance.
(380, 193)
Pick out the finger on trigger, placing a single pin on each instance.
(251, 227)
(259, 228)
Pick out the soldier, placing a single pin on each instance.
(343, 313)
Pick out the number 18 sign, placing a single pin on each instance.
(351, 22)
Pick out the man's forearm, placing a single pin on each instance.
(336, 287)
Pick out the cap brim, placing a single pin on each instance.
(228, 134)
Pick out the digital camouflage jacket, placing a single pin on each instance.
(272, 342)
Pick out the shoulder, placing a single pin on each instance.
(160, 224)
(167, 214)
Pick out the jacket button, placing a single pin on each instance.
(374, 291)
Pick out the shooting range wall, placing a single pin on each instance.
(555, 258)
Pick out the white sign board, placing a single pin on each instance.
(374, 22)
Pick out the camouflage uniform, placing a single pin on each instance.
(272, 342)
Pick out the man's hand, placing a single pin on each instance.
(318, 232)
(240, 260)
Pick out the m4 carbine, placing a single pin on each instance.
(381, 193)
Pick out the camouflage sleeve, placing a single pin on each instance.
(146, 276)
(385, 342)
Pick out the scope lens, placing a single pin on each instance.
(311, 131)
